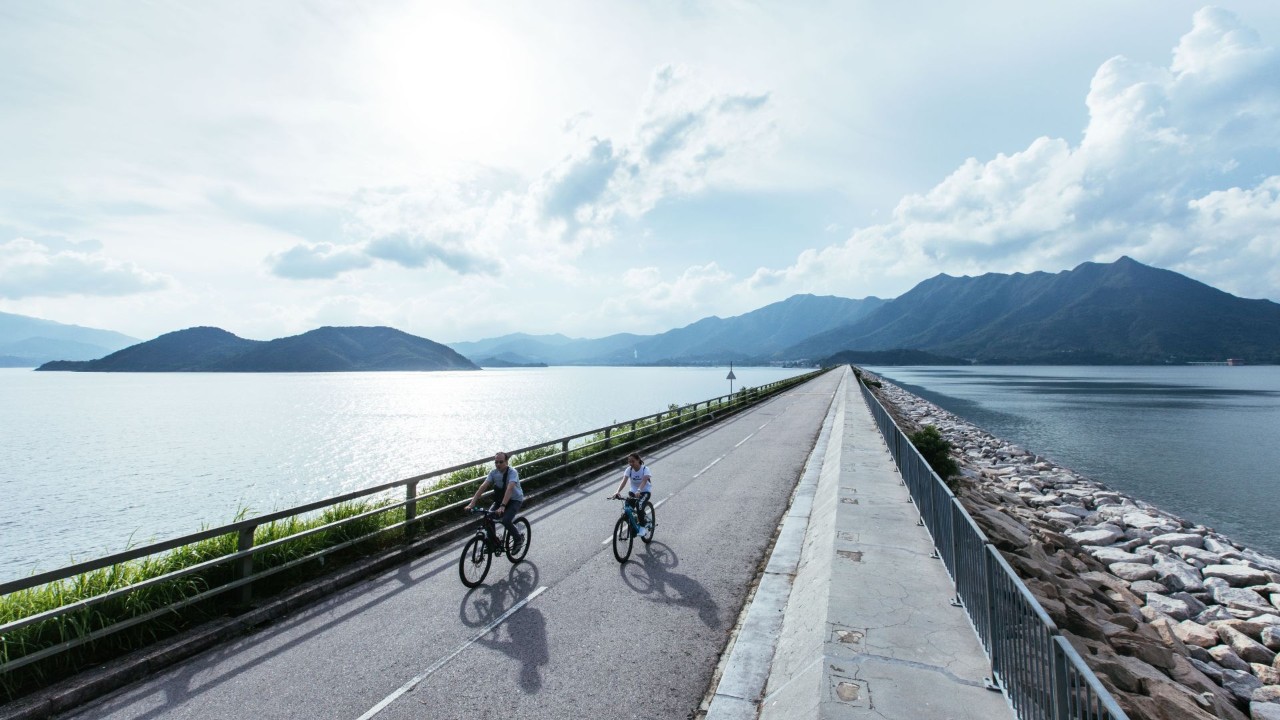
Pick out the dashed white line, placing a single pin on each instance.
(442, 662)
(744, 440)
(713, 462)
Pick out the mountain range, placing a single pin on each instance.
(1115, 313)
(27, 341)
(327, 349)
(761, 335)
(1122, 312)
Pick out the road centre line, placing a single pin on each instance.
(444, 661)
(713, 462)
(744, 440)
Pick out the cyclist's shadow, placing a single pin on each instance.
(525, 631)
(650, 573)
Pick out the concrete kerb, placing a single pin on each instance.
(119, 672)
(747, 664)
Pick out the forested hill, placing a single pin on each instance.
(327, 349)
(1121, 312)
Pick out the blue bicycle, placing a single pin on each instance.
(634, 517)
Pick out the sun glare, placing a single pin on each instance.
(452, 84)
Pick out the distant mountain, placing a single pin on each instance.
(1118, 313)
(548, 349)
(508, 360)
(327, 349)
(752, 336)
(28, 342)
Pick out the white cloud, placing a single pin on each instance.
(648, 298)
(685, 130)
(33, 269)
(321, 260)
(1166, 172)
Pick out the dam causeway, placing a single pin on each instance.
(881, 596)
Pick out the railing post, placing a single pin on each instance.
(245, 568)
(1060, 689)
(995, 621)
(564, 453)
(608, 432)
(410, 509)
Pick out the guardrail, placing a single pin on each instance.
(77, 623)
(1042, 675)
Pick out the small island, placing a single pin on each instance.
(327, 349)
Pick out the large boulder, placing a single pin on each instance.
(1236, 575)
(1245, 647)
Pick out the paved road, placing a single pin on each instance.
(569, 633)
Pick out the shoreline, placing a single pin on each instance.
(1176, 619)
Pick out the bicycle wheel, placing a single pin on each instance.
(522, 525)
(622, 540)
(474, 563)
(650, 522)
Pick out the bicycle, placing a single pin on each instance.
(477, 554)
(628, 526)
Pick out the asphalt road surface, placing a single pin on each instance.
(568, 633)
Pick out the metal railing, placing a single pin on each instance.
(543, 464)
(1041, 674)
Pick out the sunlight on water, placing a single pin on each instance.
(93, 461)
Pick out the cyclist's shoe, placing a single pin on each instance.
(517, 544)
(642, 533)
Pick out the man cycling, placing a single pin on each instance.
(505, 481)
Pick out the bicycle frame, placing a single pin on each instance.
(488, 530)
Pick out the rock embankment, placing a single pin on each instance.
(1175, 619)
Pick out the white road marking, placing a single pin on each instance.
(744, 440)
(713, 462)
(442, 662)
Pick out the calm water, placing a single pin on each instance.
(1201, 442)
(91, 463)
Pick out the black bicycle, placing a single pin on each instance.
(629, 524)
(478, 553)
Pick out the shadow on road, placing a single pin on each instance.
(523, 636)
(650, 573)
(482, 605)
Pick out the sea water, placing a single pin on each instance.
(1202, 442)
(93, 463)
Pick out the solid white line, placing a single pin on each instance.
(713, 462)
(441, 663)
(744, 440)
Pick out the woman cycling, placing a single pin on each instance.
(641, 480)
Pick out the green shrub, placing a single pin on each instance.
(936, 451)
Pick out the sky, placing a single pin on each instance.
(466, 170)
